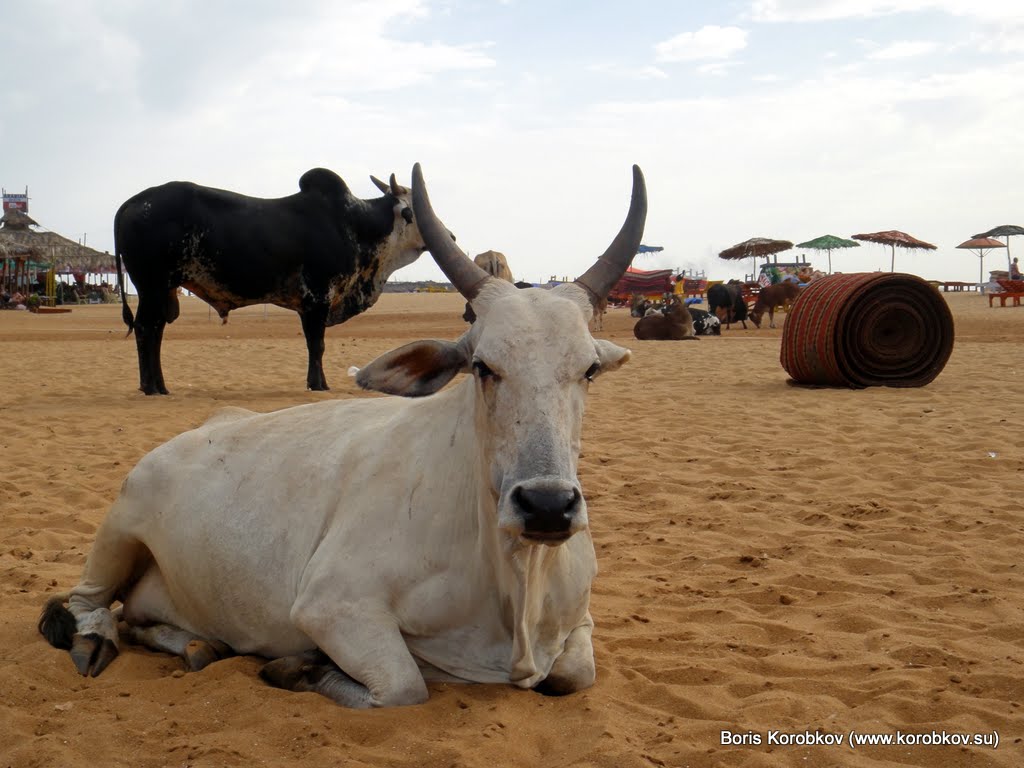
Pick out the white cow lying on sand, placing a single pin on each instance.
(368, 544)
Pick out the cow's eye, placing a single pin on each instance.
(592, 371)
(483, 371)
(407, 215)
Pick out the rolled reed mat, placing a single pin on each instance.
(867, 329)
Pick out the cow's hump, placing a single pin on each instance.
(325, 182)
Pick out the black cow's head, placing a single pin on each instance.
(397, 191)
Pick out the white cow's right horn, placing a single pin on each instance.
(610, 266)
(466, 276)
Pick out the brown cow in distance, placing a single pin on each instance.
(772, 296)
(676, 324)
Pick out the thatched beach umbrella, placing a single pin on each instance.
(755, 247)
(980, 245)
(827, 243)
(1006, 231)
(893, 238)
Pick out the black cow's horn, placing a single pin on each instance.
(381, 185)
(466, 276)
(610, 266)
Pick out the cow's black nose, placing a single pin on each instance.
(546, 509)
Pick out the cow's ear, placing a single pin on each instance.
(612, 356)
(417, 369)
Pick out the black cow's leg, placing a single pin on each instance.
(141, 343)
(314, 323)
(171, 311)
(147, 342)
(158, 373)
(150, 321)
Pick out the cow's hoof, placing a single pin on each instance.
(554, 686)
(287, 673)
(200, 654)
(297, 673)
(92, 653)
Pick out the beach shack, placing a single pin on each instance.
(34, 260)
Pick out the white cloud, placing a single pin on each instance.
(828, 10)
(709, 42)
(824, 10)
(652, 73)
(717, 68)
(618, 71)
(904, 49)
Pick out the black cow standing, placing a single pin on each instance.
(322, 252)
(725, 300)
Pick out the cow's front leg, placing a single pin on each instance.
(574, 669)
(314, 323)
(314, 672)
(364, 641)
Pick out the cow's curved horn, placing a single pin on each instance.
(610, 266)
(381, 185)
(466, 276)
(396, 188)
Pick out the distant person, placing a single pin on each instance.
(1015, 270)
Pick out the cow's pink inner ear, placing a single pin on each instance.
(414, 370)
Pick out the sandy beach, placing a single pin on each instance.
(772, 558)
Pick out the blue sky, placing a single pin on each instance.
(775, 118)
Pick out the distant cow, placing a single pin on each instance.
(675, 324)
(368, 545)
(770, 297)
(725, 301)
(705, 323)
(494, 264)
(321, 252)
(639, 305)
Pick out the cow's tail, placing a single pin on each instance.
(126, 311)
(57, 624)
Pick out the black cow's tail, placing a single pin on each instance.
(126, 312)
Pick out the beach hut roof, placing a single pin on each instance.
(19, 240)
(17, 220)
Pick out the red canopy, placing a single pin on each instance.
(646, 282)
